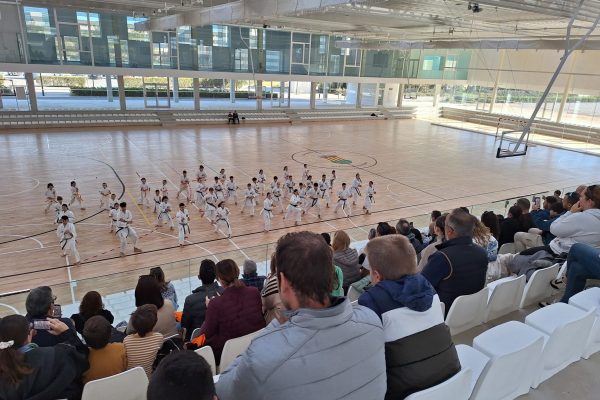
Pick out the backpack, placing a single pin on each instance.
(169, 346)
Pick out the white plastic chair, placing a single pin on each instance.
(474, 360)
(566, 330)
(504, 297)
(507, 248)
(128, 385)
(207, 353)
(455, 388)
(515, 350)
(590, 300)
(538, 287)
(233, 348)
(467, 311)
(353, 294)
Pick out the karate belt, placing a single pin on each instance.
(372, 199)
(323, 193)
(357, 190)
(184, 226)
(63, 242)
(268, 212)
(211, 205)
(120, 229)
(222, 219)
(165, 213)
(343, 201)
(314, 202)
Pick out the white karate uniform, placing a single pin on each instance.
(183, 220)
(289, 187)
(200, 176)
(50, 198)
(219, 191)
(323, 192)
(344, 201)
(273, 185)
(57, 208)
(164, 190)
(277, 198)
(125, 230)
(267, 213)
(312, 200)
(249, 200)
(184, 187)
(105, 199)
(302, 195)
(223, 177)
(305, 174)
(356, 184)
(112, 217)
(157, 201)
(222, 219)
(200, 192)
(75, 195)
(261, 180)
(164, 214)
(332, 179)
(294, 209)
(231, 191)
(369, 199)
(68, 213)
(210, 206)
(144, 190)
(67, 236)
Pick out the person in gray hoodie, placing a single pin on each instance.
(419, 351)
(327, 348)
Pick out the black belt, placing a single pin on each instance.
(64, 242)
(314, 202)
(222, 219)
(184, 226)
(121, 228)
(357, 190)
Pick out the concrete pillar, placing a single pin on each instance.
(325, 91)
(436, 94)
(176, 89)
(495, 89)
(400, 95)
(290, 92)
(31, 91)
(196, 84)
(232, 90)
(121, 86)
(359, 95)
(390, 95)
(109, 92)
(259, 95)
(313, 95)
(281, 93)
(565, 95)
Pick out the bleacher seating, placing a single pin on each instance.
(590, 300)
(573, 132)
(538, 287)
(207, 353)
(46, 119)
(456, 387)
(233, 348)
(467, 311)
(504, 297)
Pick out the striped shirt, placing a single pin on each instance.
(141, 351)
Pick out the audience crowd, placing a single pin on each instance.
(388, 344)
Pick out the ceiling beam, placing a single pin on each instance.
(244, 11)
(512, 44)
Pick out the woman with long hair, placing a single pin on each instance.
(484, 238)
(439, 232)
(91, 305)
(237, 312)
(147, 291)
(166, 287)
(28, 371)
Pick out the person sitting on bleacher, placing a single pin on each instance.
(419, 350)
(230, 119)
(459, 266)
(328, 349)
(182, 375)
(106, 359)
(236, 117)
(583, 263)
(403, 228)
(509, 226)
(541, 222)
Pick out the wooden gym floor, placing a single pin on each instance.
(416, 168)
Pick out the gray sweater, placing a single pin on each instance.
(332, 353)
(347, 260)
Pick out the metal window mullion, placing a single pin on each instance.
(60, 42)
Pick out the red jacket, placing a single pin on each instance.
(237, 312)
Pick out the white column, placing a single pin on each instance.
(121, 85)
(400, 95)
(31, 91)
(196, 84)
(359, 95)
(232, 90)
(565, 95)
(325, 91)
(109, 92)
(259, 95)
(313, 95)
(176, 89)
(436, 94)
(498, 70)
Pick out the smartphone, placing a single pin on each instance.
(41, 324)
(56, 311)
(536, 201)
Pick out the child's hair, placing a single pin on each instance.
(181, 205)
(58, 197)
(50, 185)
(165, 198)
(157, 191)
(72, 183)
(13, 368)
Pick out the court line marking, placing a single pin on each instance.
(26, 250)
(23, 191)
(23, 236)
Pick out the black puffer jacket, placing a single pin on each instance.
(194, 308)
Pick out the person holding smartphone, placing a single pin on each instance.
(46, 319)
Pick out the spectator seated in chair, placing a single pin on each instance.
(106, 359)
(250, 277)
